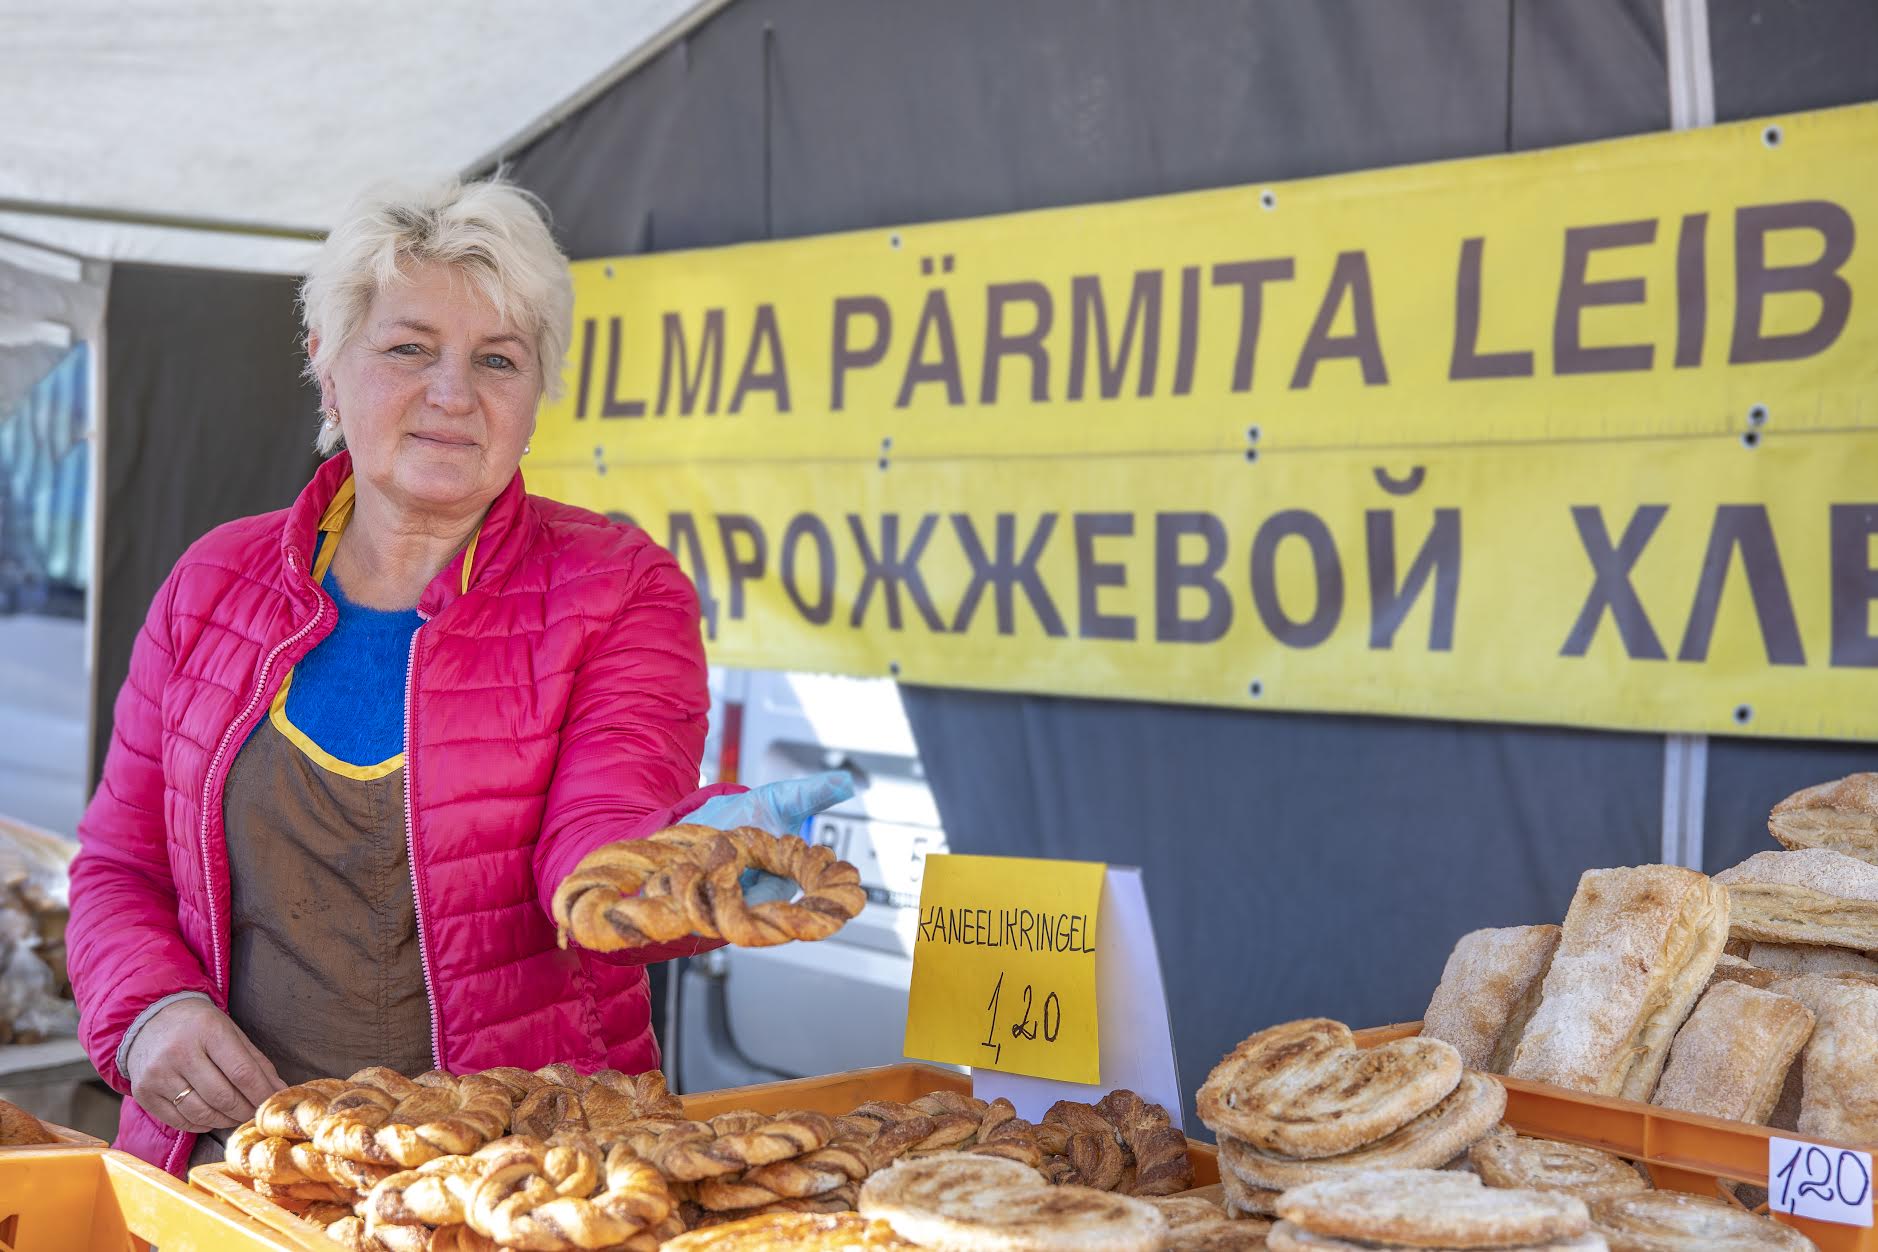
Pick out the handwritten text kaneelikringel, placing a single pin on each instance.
(1023, 929)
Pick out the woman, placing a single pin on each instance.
(363, 740)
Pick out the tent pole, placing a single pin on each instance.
(1691, 104)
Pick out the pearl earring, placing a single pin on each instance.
(527, 447)
(330, 417)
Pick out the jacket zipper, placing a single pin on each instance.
(410, 839)
(219, 974)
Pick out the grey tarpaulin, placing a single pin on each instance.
(1296, 864)
(207, 420)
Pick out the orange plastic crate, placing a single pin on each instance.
(1683, 1152)
(60, 1200)
(833, 1094)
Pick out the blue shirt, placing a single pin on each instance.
(346, 696)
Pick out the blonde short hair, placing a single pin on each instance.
(493, 231)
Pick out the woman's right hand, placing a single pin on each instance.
(192, 1069)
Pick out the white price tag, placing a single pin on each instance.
(1827, 1184)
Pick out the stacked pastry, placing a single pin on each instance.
(1421, 1208)
(1300, 1104)
(554, 1159)
(385, 1163)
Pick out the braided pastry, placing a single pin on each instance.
(436, 1193)
(831, 892)
(603, 904)
(284, 1162)
(1162, 1166)
(688, 880)
(730, 1142)
(519, 1202)
(409, 1123)
(1003, 1133)
(293, 1113)
(329, 1192)
(944, 1128)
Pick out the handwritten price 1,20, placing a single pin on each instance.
(1831, 1184)
(1048, 1022)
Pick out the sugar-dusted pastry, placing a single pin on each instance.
(1638, 948)
(1842, 816)
(1814, 896)
(1731, 1057)
(1488, 993)
(1806, 958)
(1838, 1097)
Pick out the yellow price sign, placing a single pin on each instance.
(1004, 970)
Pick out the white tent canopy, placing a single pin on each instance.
(231, 133)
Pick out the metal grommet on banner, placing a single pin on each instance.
(1268, 199)
(1750, 439)
(886, 450)
(1744, 713)
(1771, 136)
(1251, 454)
(1256, 689)
(893, 667)
(1252, 434)
(609, 271)
(893, 240)
(1757, 415)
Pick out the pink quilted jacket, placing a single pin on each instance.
(556, 702)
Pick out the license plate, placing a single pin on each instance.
(890, 856)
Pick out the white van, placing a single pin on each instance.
(743, 1015)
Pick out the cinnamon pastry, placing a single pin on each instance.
(410, 1121)
(730, 1142)
(294, 1112)
(687, 880)
(1162, 1166)
(285, 1162)
(530, 1199)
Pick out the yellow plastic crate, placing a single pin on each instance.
(62, 1200)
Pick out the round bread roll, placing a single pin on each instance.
(1674, 1221)
(1304, 1089)
(956, 1202)
(1543, 1165)
(1432, 1208)
(1286, 1237)
(786, 1232)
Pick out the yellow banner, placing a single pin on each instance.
(1583, 436)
